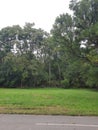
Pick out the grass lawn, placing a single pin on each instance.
(49, 101)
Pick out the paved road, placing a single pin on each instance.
(32, 122)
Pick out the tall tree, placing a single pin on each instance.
(86, 24)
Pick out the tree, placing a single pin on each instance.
(68, 49)
(67, 57)
(86, 21)
(21, 53)
(86, 24)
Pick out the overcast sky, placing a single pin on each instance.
(41, 12)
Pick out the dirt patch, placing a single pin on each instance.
(47, 110)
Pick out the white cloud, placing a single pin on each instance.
(41, 12)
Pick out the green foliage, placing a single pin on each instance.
(92, 77)
(93, 56)
(32, 57)
(65, 83)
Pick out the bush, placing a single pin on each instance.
(65, 83)
(53, 83)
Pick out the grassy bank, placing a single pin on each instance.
(49, 101)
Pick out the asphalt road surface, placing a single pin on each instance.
(32, 122)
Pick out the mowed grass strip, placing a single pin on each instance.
(49, 101)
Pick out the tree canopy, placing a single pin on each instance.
(67, 57)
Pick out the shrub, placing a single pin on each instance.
(65, 83)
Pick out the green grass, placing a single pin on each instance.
(49, 101)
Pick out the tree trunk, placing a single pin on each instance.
(49, 73)
(59, 71)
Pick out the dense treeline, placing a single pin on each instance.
(67, 57)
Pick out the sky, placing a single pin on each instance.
(42, 12)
